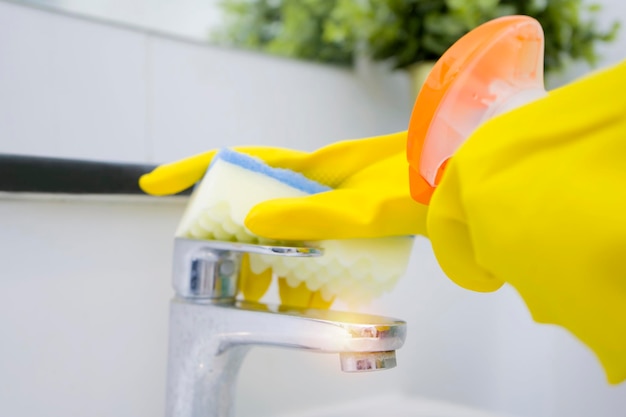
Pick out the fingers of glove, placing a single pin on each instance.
(333, 164)
(381, 176)
(252, 285)
(329, 165)
(177, 176)
(373, 202)
(337, 214)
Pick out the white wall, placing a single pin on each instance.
(84, 289)
(70, 87)
(85, 284)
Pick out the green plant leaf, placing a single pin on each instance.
(403, 31)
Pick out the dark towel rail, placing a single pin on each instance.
(70, 176)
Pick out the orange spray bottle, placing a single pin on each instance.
(494, 68)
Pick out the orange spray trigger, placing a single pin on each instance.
(494, 68)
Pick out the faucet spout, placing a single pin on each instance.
(313, 329)
(211, 331)
(208, 343)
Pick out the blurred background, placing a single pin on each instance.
(84, 287)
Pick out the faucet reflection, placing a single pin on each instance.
(211, 331)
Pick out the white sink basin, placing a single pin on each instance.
(395, 405)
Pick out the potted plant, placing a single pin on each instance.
(291, 28)
(403, 33)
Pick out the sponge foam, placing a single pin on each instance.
(233, 184)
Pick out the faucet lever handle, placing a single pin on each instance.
(219, 245)
(208, 269)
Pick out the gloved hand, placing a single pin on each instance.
(537, 198)
(370, 196)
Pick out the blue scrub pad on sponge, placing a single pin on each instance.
(286, 176)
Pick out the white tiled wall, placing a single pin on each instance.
(75, 88)
(84, 289)
(204, 97)
(70, 88)
(83, 292)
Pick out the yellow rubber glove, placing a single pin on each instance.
(370, 196)
(537, 198)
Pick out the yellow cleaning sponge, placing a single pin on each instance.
(352, 270)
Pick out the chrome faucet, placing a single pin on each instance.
(210, 331)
